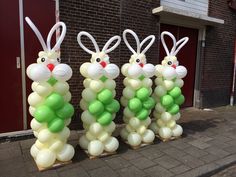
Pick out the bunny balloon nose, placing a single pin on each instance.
(50, 66)
(103, 63)
(141, 64)
(174, 66)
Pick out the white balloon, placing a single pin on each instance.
(160, 91)
(124, 133)
(123, 101)
(103, 136)
(110, 128)
(64, 134)
(149, 70)
(95, 129)
(159, 70)
(154, 127)
(179, 83)
(112, 71)
(148, 136)
(90, 136)
(88, 95)
(171, 124)
(34, 99)
(141, 129)
(166, 116)
(87, 118)
(34, 151)
(110, 84)
(67, 97)
(176, 116)
(111, 145)
(45, 158)
(135, 84)
(62, 72)
(34, 85)
(45, 135)
(43, 89)
(83, 105)
(177, 131)
(83, 142)
(134, 122)
(124, 69)
(32, 110)
(169, 73)
(95, 71)
(56, 146)
(128, 93)
(86, 82)
(95, 148)
(96, 85)
(159, 108)
(168, 84)
(134, 139)
(66, 153)
(84, 69)
(159, 81)
(38, 72)
(165, 132)
(181, 71)
(135, 71)
(128, 113)
(35, 125)
(61, 87)
(146, 82)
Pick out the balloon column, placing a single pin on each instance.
(168, 91)
(136, 95)
(98, 101)
(49, 102)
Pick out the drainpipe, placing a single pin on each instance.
(234, 73)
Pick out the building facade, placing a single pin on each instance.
(208, 56)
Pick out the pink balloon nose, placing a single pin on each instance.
(50, 66)
(103, 63)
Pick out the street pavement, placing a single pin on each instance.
(207, 147)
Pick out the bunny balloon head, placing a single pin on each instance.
(137, 65)
(49, 63)
(99, 65)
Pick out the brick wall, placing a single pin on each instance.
(103, 19)
(219, 52)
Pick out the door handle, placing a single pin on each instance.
(17, 62)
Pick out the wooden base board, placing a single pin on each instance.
(57, 164)
(104, 154)
(169, 139)
(139, 146)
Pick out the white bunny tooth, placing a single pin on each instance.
(135, 71)
(95, 71)
(38, 72)
(149, 70)
(112, 71)
(181, 71)
(62, 72)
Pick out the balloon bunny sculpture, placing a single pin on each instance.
(168, 91)
(98, 101)
(49, 102)
(136, 95)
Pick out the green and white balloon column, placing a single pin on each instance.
(168, 95)
(136, 97)
(49, 102)
(98, 101)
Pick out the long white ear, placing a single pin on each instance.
(152, 37)
(105, 48)
(181, 43)
(36, 31)
(59, 41)
(164, 43)
(136, 39)
(91, 38)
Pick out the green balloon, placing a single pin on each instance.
(66, 111)
(113, 107)
(52, 81)
(54, 101)
(135, 104)
(175, 92)
(56, 125)
(174, 109)
(105, 96)
(180, 100)
(96, 107)
(44, 114)
(142, 115)
(149, 103)
(142, 93)
(105, 118)
(167, 100)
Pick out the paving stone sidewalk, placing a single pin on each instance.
(207, 147)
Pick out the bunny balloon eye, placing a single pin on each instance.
(59, 60)
(137, 60)
(169, 63)
(42, 59)
(98, 60)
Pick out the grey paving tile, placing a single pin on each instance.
(158, 171)
(142, 162)
(48, 173)
(226, 160)
(217, 152)
(8, 164)
(179, 169)
(131, 171)
(10, 152)
(199, 144)
(174, 152)
(92, 164)
(191, 161)
(117, 163)
(209, 158)
(179, 143)
(131, 154)
(230, 149)
(151, 153)
(167, 162)
(102, 172)
(26, 144)
(9, 144)
(195, 152)
(74, 172)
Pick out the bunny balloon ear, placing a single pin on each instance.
(152, 37)
(105, 48)
(59, 41)
(178, 44)
(136, 39)
(36, 31)
(91, 38)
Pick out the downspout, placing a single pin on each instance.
(233, 79)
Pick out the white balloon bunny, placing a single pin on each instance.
(49, 102)
(98, 101)
(167, 92)
(136, 94)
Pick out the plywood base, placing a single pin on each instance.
(169, 139)
(104, 154)
(139, 146)
(57, 164)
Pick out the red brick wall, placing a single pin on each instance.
(103, 19)
(218, 61)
